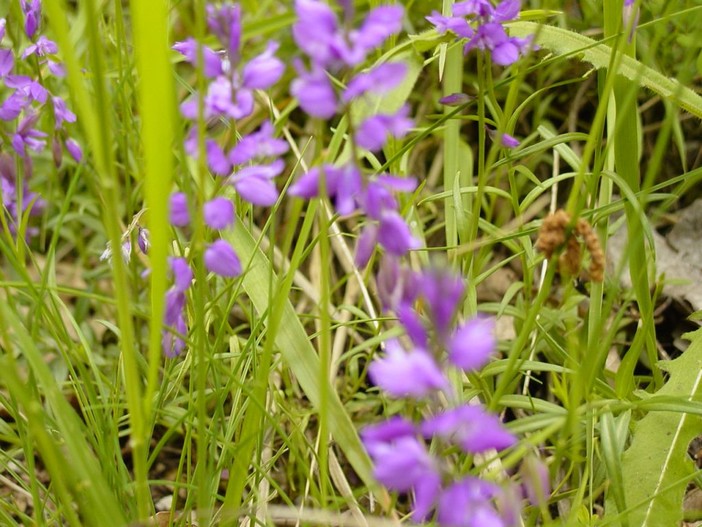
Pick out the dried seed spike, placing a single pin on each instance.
(554, 237)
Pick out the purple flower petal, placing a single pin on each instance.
(7, 62)
(315, 93)
(380, 23)
(403, 374)
(380, 79)
(179, 215)
(467, 503)
(456, 99)
(74, 149)
(400, 464)
(254, 183)
(507, 10)
(307, 185)
(426, 493)
(471, 428)
(143, 240)
(264, 70)
(219, 213)
(256, 145)
(315, 30)
(395, 235)
(509, 142)
(217, 161)
(473, 344)
(221, 259)
(455, 24)
(212, 62)
(365, 245)
(442, 291)
(32, 13)
(373, 132)
(225, 23)
(182, 274)
(387, 431)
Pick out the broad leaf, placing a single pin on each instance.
(656, 467)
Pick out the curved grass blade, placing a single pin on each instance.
(564, 42)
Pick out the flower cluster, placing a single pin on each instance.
(28, 102)
(482, 24)
(332, 49)
(172, 340)
(419, 370)
(249, 164)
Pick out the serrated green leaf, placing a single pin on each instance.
(656, 468)
(564, 42)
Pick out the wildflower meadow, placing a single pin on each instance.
(351, 263)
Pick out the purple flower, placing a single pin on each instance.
(74, 149)
(143, 240)
(314, 92)
(480, 8)
(386, 432)
(377, 196)
(223, 99)
(468, 503)
(182, 273)
(253, 183)
(173, 344)
(179, 215)
(414, 327)
(397, 286)
(373, 132)
(509, 142)
(316, 31)
(212, 62)
(454, 24)
(32, 13)
(219, 213)
(217, 161)
(455, 99)
(507, 10)
(403, 374)
(442, 292)
(343, 183)
(394, 234)
(225, 23)
(380, 79)
(27, 136)
(264, 70)
(174, 316)
(3, 23)
(473, 343)
(7, 62)
(401, 462)
(257, 145)
(42, 47)
(471, 428)
(381, 23)
(61, 113)
(221, 259)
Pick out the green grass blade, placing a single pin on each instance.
(567, 43)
